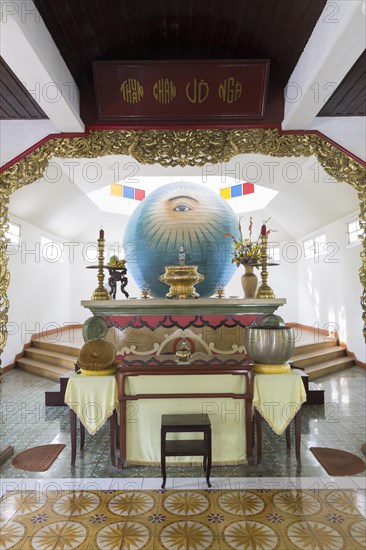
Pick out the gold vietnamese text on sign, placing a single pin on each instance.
(164, 91)
(200, 91)
(230, 90)
(132, 90)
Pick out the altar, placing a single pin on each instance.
(153, 326)
(150, 383)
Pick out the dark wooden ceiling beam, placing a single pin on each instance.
(91, 30)
(349, 99)
(16, 103)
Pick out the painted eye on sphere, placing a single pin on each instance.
(182, 208)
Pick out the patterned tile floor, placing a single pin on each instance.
(26, 422)
(183, 520)
(277, 505)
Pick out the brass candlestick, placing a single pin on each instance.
(145, 292)
(220, 292)
(100, 293)
(264, 291)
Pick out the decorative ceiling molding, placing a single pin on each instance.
(177, 148)
(185, 148)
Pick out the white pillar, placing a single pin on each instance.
(29, 50)
(335, 45)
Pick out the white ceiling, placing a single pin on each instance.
(307, 198)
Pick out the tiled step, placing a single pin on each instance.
(315, 394)
(55, 397)
(327, 367)
(310, 347)
(313, 357)
(64, 360)
(58, 348)
(42, 369)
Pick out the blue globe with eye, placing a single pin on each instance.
(181, 214)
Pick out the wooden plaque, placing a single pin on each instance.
(181, 90)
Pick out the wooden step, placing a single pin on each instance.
(59, 348)
(42, 369)
(51, 357)
(313, 357)
(327, 367)
(308, 348)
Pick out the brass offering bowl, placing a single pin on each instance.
(269, 347)
(181, 279)
(97, 358)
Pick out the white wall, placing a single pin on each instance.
(39, 291)
(17, 136)
(350, 132)
(329, 290)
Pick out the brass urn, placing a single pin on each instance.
(181, 279)
(183, 353)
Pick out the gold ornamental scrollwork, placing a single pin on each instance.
(177, 148)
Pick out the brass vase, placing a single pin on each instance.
(249, 281)
(181, 279)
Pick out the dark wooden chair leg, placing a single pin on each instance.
(82, 435)
(209, 457)
(258, 422)
(204, 461)
(73, 436)
(122, 434)
(112, 435)
(288, 437)
(117, 432)
(249, 439)
(163, 459)
(204, 458)
(298, 435)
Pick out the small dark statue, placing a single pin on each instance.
(117, 275)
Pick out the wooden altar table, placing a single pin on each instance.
(278, 399)
(170, 368)
(93, 400)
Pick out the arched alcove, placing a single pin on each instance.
(177, 148)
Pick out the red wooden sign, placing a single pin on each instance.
(181, 89)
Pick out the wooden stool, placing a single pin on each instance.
(188, 447)
(258, 421)
(114, 436)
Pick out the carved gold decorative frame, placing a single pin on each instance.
(177, 148)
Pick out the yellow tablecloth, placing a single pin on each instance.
(278, 397)
(92, 398)
(227, 416)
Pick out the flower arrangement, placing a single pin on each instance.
(246, 251)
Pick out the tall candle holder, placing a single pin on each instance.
(100, 293)
(264, 291)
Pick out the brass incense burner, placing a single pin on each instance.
(181, 279)
(183, 353)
